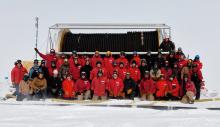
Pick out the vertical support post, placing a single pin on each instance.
(36, 26)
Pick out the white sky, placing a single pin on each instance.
(195, 25)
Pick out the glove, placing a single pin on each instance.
(129, 91)
(36, 50)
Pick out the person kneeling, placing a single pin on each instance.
(83, 87)
(190, 91)
(99, 86)
(147, 87)
(68, 87)
(116, 86)
(24, 89)
(174, 88)
(39, 86)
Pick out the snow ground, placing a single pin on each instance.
(48, 114)
(81, 116)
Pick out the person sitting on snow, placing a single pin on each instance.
(99, 86)
(39, 86)
(24, 89)
(68, 87)
(147, 87)
(174, 88)
(83, 87)
(129, 87)
(190, 91)
(116, 86)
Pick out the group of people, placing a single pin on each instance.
(151, 77)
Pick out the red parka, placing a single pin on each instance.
(116, 86)
(82, 85)
(190, 87)
(137, 59)
(123, 60)
(135, 73)
(122, 73)
(68, 88)
(174, 87)
(17, 74)
(99, 86)
(166, 72)
(75, 71)
(48, 58)
(162, 88)
(147, 86)
(95, 70)
(94, 59)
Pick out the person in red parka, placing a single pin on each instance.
(166, 70)
(95, 59)
(68, 87)
(122, 71)
(174, 88)
(116, 86)
(83, 87)
(190, 91)
(73, 58)
(114, 68)
(162, 88)
(147, 87)
(136, 58)
(123, 59)
(75, 69)
(134, 72)
(17, 74)
(108, 62)
(48, 57)
(95, 70)
(99, 86)
(198, 62)
(60, 61)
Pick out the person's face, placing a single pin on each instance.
(171, 78)
(43, 64)
(87, 62)
(182, 57)
(146, 76)
(76, 61)
(96, 54)
(100, 74)
(143, 64)
(166, 39)
(98, 65)
(133, 65)
(155, 66)
(83, 76)
(122, 55)
(127, 76)
(121, 65)
(68, 77)
(19, 64)
(41, 75)
(185, 79)
(115, 76)
(171, 55)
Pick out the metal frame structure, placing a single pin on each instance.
(163, 30)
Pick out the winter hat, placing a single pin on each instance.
(98, 62)
(52, 51)
(133, 62)
(108, 53)
(197, 57)
(36, 61)
(18, 61)
(43, 62)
